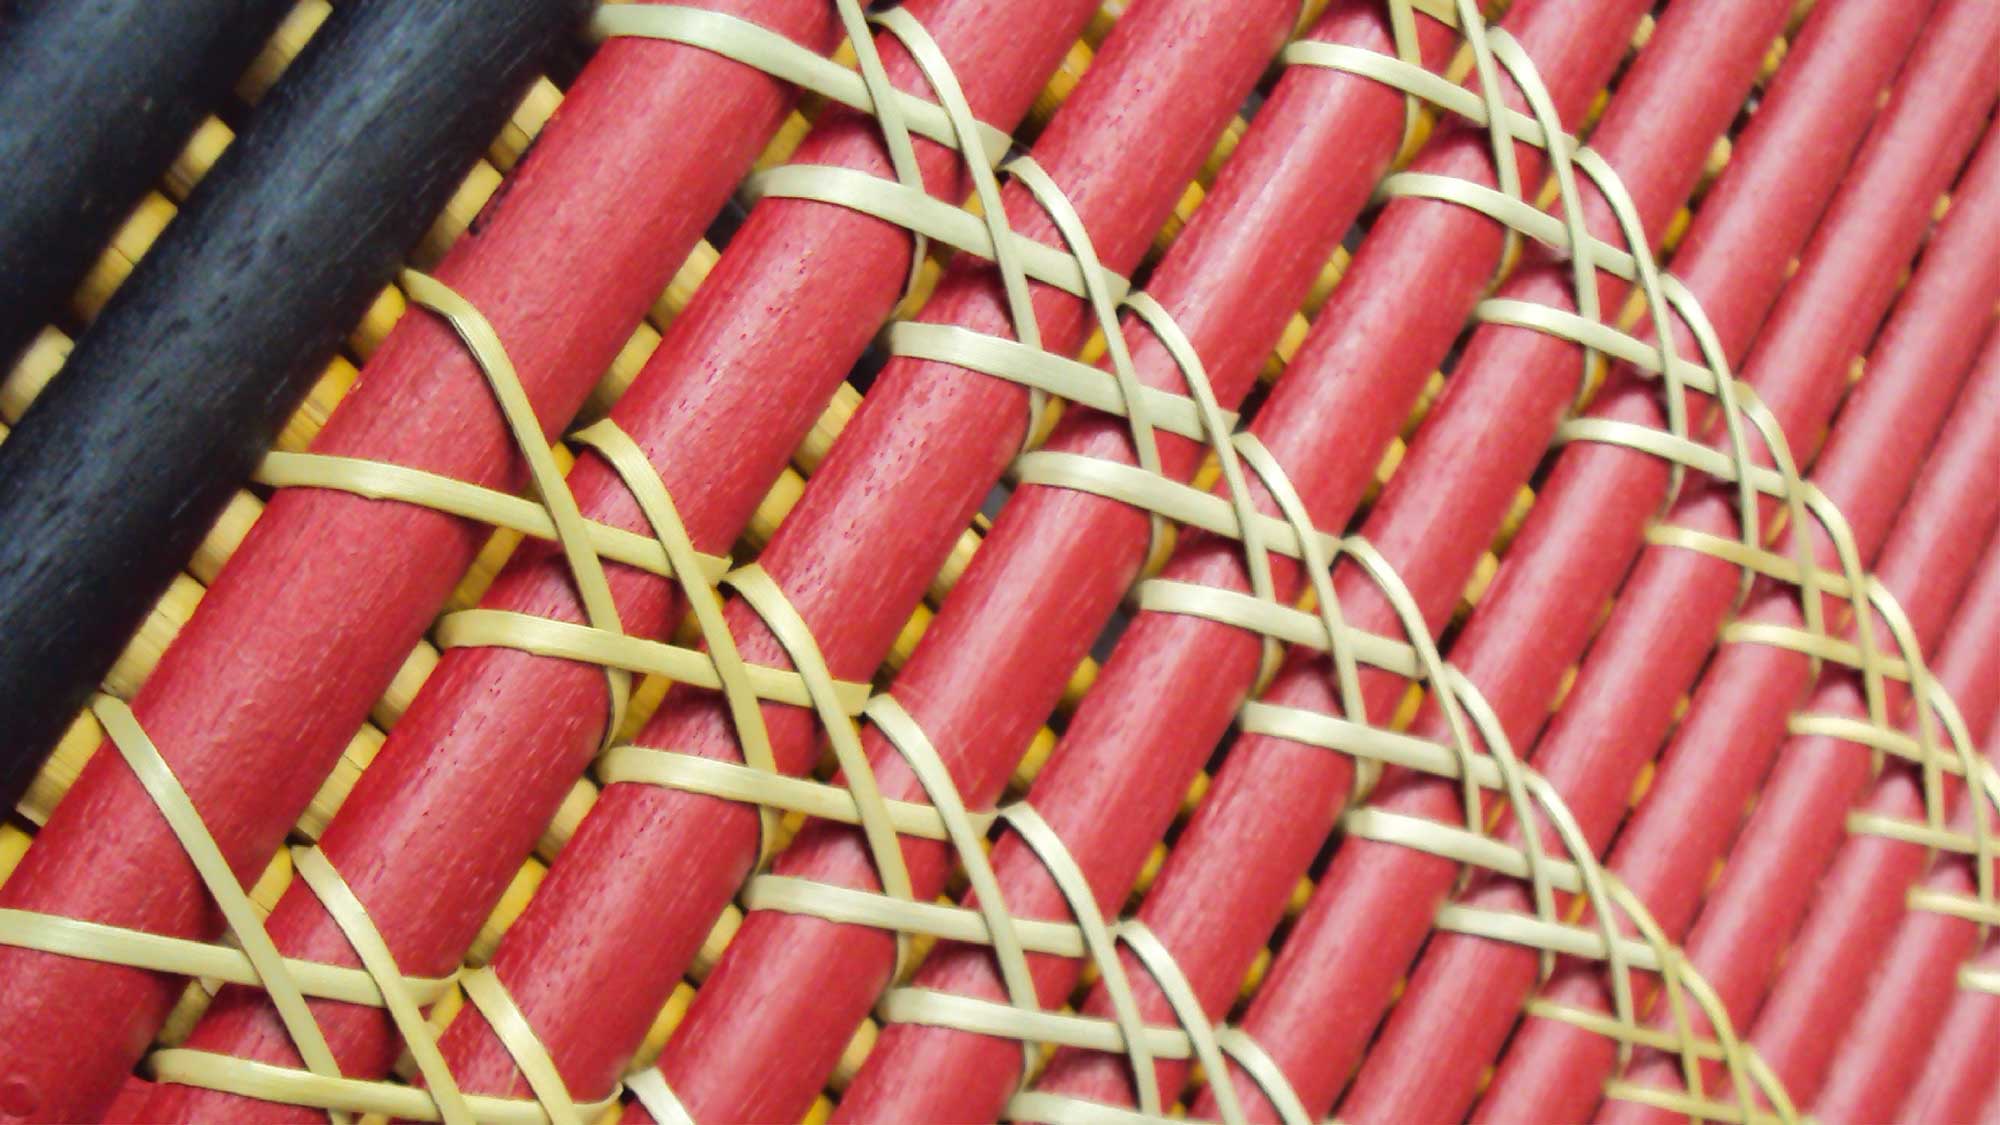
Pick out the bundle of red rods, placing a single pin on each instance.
(1406, 560)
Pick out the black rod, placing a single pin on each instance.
(96, 98)
(171, 399)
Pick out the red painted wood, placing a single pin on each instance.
(1776, 868)
(1273, 802)
(1318, 145)
(1801, 815)
(1543, 605)
(1910, 958)
(873, 1107)
(1212, 666)
(1667, 615)
(1551, 1066)
(1959, 1073)
(822, 277)
(301, 633)
(854, 557)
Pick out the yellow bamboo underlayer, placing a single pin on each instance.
(44, 362)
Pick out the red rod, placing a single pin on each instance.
(854, 558)
(1547, 581)
(1560, 1069)
(873, 1107)
(1733, 253)
(1959, 1073)
(1913, 966)
(1691, 817)
(1801, 809)
(1555, 1067)
(1273, 802)
(1148, 753)
(1318, 145)
(305, 628)
(818, 276)
(1776, 868)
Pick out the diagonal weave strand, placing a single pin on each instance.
(1477, 756)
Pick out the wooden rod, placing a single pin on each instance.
(1664, 623)
(1317, 146)
(329, 592)
(1735, 953)
(854, 557)
(98, 97)
(763, 334)
(1557, 1065)
(1421, 270)
(1274, 802)
(1553, 585)
(1912, 957)
(166, 405)
(1959, 1072)
(1779, 861)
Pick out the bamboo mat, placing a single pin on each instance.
(43, 363)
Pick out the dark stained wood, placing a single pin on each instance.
(96, 97)
(171, 398)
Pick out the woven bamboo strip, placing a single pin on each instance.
(1121, 148)
(1958, 1074)
(776, 504)
(1926, 574)
(164, 622)
(382, 566)
(216, 373)
(771, 243)
(44, 361)
(1379, 875)
(1304, 162)
(1273, 802)
(1550, 1060)
(1200, 664)
(614, 383)
(1665, 621)
(1595, 781)
(1880, 1046)
(1753, 911)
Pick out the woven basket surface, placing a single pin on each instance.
(1142, 669)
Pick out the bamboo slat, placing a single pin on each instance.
(266, 640)
(1408, 442)
(1120, 149)
(1304, 159)
(1733, 259)
(99, 98)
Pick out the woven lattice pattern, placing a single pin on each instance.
(1300, 580)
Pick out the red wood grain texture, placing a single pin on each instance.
(1543, 605)
(1775, 869)
(820, 276)
(854, 556)
(1559, 1069)
(1316, 148)
(1909, 958)
(1206, 668)
(324, 599)
(1274, 801)
(1959, 1073)
(1729, 949)
(1665, 620)
(1551, 1067)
